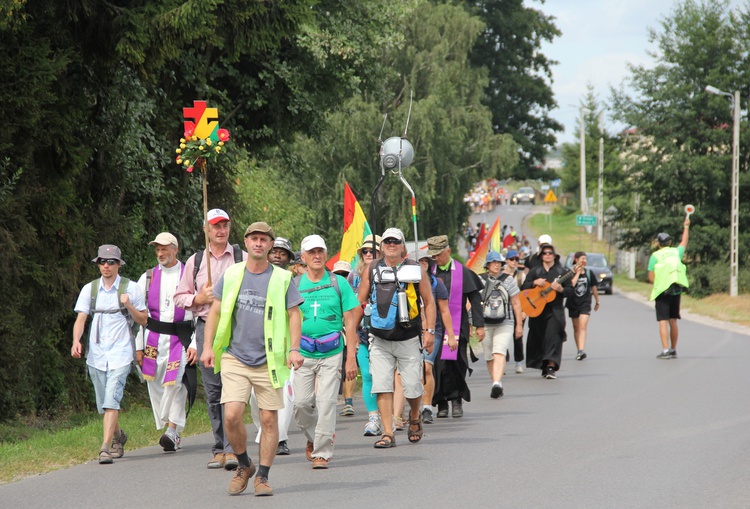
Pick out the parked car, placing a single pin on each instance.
(523, 195)
(598, 264)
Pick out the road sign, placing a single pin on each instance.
(545, 187)
(550, 198)
(585, 220)
(555, 182)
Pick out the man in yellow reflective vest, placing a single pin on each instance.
(669, 276)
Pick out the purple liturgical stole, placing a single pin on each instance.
(454, 306)
(152, 340)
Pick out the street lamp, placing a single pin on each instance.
(584, 200)
(734, 228)
(601, 177)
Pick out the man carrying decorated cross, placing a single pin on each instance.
(328, 308)
(114, 303)
(393, 285)
(252, 338)
(165, 348)
(195, 294)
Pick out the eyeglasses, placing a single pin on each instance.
(392, 241)
(548, 252)
(512, 259)
(102, 261)
(368, 252)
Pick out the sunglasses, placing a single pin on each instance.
(512, 259)
(392, 241)
(368, 252)
(102, 261)
(548, 252)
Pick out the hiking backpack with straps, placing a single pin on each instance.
(495, 299)
(199, 260)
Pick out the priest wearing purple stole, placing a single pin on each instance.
(463, 286)
(165, 348)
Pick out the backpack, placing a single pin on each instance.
(199, 260)
(383, 296)
(495, 299)
(120, 292)
(334, 283)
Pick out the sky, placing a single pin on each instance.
(599, 39)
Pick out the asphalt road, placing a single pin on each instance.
(620, 429)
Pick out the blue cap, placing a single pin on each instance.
(512, 253)
(493, 256)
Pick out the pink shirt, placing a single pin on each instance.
(185, 293)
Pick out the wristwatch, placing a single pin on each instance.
(431, 331)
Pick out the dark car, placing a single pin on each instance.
(598, 264)
(523, 195)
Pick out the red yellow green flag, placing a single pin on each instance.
(490, 241)
(356, 229)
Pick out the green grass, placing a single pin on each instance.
(31, 448)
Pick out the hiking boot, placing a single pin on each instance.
(374, 427)
(217, 461)
(427, 416)
(320, 463)
(457, 409)
(230, 461)
(442, 410)
(262, 488)
(496, 391)
(347, 411)
(117, 449)
(169, 443)
(283, 449)
(309, 450)
(242, 475)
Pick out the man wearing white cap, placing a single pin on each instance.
(114, 302)
(165, 348)
(329, 301)
(535, 260)
(195, 294)
(393, 285)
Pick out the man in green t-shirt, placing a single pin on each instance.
(667, 272)
(329, 301)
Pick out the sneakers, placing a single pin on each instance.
(581, 355)
(666, 355)
(374, 426)
(230, 461)
(262, 488)
(549, 374)
(496, 392)
(519, 368)
(169, 442)
(309, 450)
(673, 353)
(442, 410)
(457, 409)
(347, 411)
(217, 461)
(399, 424)
(283, 449)
(427, 416)
(117, 449)
(242, 475)
(320, 463)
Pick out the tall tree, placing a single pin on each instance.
(683, 148)
(519, 92)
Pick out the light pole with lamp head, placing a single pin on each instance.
(734, 228)
(584, 200)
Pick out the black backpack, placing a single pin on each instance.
(199, 260)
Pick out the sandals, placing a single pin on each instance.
(105, 458)
(386, 441)
(415, 435)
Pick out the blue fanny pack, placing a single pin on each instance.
(323, 344)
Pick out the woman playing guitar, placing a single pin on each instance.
(547, 329)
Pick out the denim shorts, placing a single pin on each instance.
(109, 386)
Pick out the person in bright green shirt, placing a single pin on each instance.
(326, 311)
(668, 274)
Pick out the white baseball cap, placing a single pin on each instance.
(393, 233)
(312, 241)
(217, 215)
(545, 239)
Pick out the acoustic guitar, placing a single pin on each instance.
(534, 299)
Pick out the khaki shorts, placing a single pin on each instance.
(497, 338)
(386, 356)
(238, 379)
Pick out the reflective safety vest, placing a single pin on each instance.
(669, 269)
(275, 321)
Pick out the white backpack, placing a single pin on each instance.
(495, 299)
